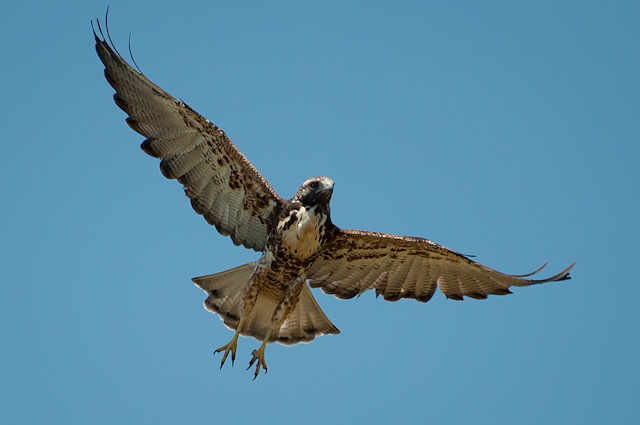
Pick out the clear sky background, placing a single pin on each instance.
(506, 130)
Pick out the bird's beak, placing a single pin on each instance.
(329, 188)
(326, 191)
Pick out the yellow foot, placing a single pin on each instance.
(232, 346)
(258, 355)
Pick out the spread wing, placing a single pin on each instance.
(222, 184)
(397, 267)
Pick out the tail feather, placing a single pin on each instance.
(305, 322)
(225, 292)
(225, 298)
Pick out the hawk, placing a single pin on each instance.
(270, 299)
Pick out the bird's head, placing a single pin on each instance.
(315, 191)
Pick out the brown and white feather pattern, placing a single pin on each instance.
(221, 183)
(397, 267)
(225, 289)
(297, 236)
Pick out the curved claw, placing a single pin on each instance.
(258, 355)
(230, 347)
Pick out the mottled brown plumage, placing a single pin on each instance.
(270, 299)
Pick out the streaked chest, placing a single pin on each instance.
(301, 232)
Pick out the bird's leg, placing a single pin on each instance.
(249, 297)
(284, 308)
(231, 346)
(258, 355)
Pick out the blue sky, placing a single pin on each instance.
(506, 130)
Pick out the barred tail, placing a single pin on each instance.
(225, 298)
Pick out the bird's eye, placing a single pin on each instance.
(314, 184)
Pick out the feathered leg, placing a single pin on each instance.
(283, 310)
(249, 298)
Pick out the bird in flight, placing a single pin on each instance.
(269, 299)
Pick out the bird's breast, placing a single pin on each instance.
(301, 232)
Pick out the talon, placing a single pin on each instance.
(230, 347)
(258, 356)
